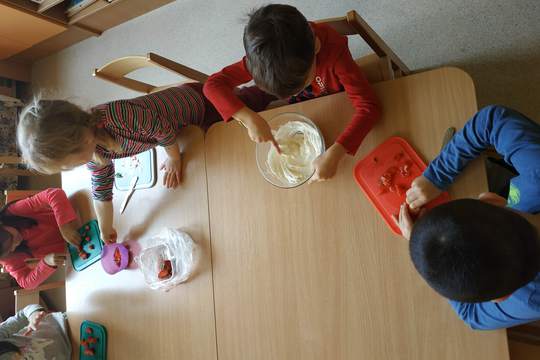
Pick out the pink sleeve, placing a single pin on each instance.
(26, 277)
(219, 88)
(363, 98)
(56, 199)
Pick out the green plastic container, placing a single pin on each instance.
(89, 230)
(100, 346)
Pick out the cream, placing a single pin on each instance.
(300, 144)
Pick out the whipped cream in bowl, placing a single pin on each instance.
(300, 141)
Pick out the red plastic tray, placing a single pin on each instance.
(386, 174)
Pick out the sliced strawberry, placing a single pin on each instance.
(166, 270)
(117, 257)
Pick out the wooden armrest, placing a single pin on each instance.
(48, 286)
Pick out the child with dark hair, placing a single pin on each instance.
(472, 251)
(297, 60)
(484, 255)
(37, 227)
(35, 334)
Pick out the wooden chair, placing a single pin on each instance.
(384, 64)
(24, 297)
(116, 71)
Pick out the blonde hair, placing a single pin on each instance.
(50, 130)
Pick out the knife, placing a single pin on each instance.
(131, 190)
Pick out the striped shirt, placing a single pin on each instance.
(142, 123)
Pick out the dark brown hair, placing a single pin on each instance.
(17, 222)
(280, 48)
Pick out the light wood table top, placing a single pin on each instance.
(313, 272)
(144, 323)
(309, 273)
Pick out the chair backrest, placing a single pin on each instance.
(24, 297)
(116, 71)
(353, 24)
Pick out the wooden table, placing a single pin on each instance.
(313, 272)
(309, 273)
(144, 323)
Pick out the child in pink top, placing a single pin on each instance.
(37, 227)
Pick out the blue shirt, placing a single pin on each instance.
(517, 139)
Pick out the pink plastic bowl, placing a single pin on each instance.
(107, 258)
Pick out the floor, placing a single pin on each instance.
(496, 41)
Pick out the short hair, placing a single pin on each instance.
(280, 49)
(471, 251)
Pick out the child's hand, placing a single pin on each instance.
(109, 236)
(55, 260)
(326, 165)
(33, 322)
(421, 192)
(173, 172)
(35, 318)
(405, 221)
(70, 233)
(258, 129)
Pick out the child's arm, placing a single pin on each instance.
(102, 193)
(105, 218)
(492, 315)
(366, 113)
(19, 321)
(56, 199)
(326, 165)
(514, 136)
(219, 89)
(26, 277)
(258, 129)
(366, 105)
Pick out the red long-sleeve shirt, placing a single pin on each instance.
(51, 209)
(335, 71)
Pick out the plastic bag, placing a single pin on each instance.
(171, 245)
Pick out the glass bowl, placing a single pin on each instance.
(262, 149)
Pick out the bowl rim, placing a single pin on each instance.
(306, 120)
